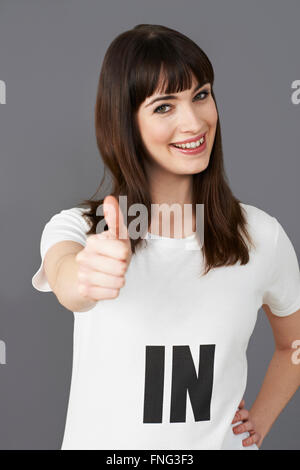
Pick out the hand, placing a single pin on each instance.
(103, 262)
(247, 425)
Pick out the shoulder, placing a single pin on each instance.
(70, 216)
(68, 224)
(262, 226)
(72, 212)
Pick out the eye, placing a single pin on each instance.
(203, 92)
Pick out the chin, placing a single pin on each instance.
(196, 167)
(191, 169)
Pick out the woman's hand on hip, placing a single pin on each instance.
(247, 425)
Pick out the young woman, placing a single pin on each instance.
(159, 350)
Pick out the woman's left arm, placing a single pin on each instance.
(282, 378)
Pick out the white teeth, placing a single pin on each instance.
(191, 144)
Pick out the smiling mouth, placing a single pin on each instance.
(194, 147)
(190, 141)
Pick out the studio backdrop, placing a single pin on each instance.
(50, 58)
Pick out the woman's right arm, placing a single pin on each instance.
(98, 268)
(61, 271)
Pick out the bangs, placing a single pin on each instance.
(160, 67)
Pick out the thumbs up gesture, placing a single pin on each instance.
(103, 262)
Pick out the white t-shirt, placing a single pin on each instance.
(163, 365)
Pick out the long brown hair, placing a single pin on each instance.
(130, 72)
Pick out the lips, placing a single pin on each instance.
(192, 150)
(194, 139)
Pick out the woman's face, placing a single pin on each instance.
(167, 121)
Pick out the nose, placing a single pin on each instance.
(190, 121)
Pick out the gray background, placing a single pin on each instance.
(50, 58)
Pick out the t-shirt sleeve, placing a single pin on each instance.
(68, 224)
(282, 292)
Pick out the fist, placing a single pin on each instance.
(103, 262)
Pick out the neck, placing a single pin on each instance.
(167, 189)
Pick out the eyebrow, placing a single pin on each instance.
(172, 97)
